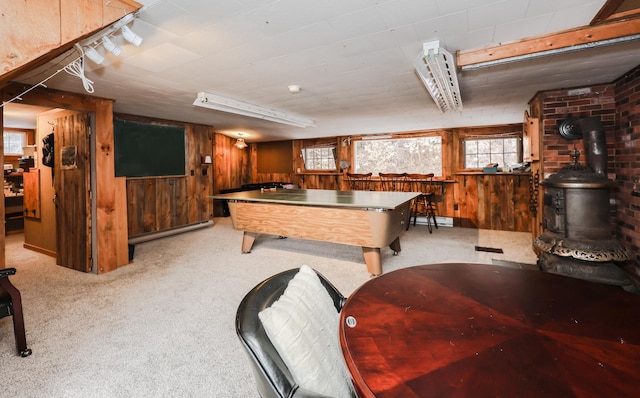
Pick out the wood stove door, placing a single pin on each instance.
(554, 211)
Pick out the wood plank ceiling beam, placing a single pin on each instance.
(614, 10)
(542, 45)
(606, 11)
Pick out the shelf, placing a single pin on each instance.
(318, 174)
(499, 173)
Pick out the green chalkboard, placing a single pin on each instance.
(148, 150)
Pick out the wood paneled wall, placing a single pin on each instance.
(474, 200)
(160, 203)
(493, 201)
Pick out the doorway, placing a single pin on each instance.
(59, 223)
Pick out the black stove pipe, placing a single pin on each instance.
(595, 144)
(590, 129)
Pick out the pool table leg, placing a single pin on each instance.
(395, 246)
(247, 241)
(372, 259)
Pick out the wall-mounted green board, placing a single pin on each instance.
(148, 150)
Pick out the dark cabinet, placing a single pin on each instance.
(13, 203)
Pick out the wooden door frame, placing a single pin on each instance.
(110, 223)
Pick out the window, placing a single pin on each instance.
(319, 157)
(13, 143)
(399, 155)
(482, 151)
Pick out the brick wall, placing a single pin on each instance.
(627, 163)
(581, 102)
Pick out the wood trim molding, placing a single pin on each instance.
(617, 9)
(606, 11)
(565, 39)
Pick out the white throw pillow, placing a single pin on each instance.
(303, 327)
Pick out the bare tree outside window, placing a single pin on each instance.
(319, 158)
(399, 155)
(14, 143)
(480, 152)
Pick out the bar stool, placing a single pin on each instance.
(359, 182)
(423, 204)
(393, 181)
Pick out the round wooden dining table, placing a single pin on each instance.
(478, 330)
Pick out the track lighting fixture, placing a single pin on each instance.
(93, 55)
(130, 36)
(111, 46)
(104, 37)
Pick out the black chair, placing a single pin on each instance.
(273, 378)
(359, 182)
(11, 305)
(423, 204)
(393, 182)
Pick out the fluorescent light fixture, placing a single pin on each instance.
(111, 46)
(216, 102)
(130, 36)
(437, 70)
(93, 55)
(240, 144)
(554, 51)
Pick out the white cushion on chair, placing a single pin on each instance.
(303, 327)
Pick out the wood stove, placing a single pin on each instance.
(577, 239)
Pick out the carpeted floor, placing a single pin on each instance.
(163, 326)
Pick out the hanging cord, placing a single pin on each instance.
(76, 68)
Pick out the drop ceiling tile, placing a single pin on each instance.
(571, 17)
(496, 13)
(539, 7)
(440, 28)
(162, 57)
(353, 59)
(407, 12)
(359, 23)
(446, 7)
(517, 29)
(470, 40)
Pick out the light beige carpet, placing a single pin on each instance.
(163, 326)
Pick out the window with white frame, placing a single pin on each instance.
(319, 158)
(14, 141)
(399, 155)
(479, 152)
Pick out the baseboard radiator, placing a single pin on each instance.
(168, 232)
(442, 221)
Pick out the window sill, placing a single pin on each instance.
(321, 173)
(471, 173)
